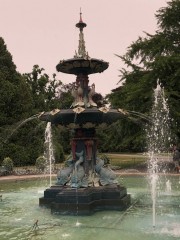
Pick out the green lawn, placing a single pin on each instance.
(116, 160)
(126, 160)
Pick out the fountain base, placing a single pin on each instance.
(85, 201)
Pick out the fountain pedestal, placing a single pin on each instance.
(85, 201)
(85, 185)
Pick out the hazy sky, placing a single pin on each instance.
(43, 32)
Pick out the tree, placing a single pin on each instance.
(15, 97)
(22, 98)
(15, 106)
(44, 90)
(151, 58)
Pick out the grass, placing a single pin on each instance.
(121, 160)
(116, 160)
(127, 160)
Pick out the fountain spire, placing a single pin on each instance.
(81, 48)
(81, 63)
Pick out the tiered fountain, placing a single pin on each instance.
(85, 185)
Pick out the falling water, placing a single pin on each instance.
(168, 186)
(49, 153)
(158, 140)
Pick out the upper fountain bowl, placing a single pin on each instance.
(77, 66)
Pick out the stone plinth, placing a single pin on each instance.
(85, 201)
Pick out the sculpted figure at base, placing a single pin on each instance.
(83, 167)
(106, 175)
(63, 176)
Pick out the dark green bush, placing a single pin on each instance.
(59, 153)
(41, 163)
(8, 164)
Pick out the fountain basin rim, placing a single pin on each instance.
(89, 118)
(77, 66)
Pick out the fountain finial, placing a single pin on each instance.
(81, 24)
(80, 16)
(81, 48)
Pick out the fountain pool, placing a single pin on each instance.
(19, 210)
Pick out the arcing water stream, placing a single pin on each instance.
(14, 128)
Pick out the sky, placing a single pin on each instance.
(43, 32)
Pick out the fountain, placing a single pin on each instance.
(85, 184)
(96, 189)
(19, 215)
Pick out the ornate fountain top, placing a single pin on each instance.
(81, 63)
(81, 48)
(83, 112)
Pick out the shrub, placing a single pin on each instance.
(8, 164)
(41, 163)
(59, 153)
(19, 154)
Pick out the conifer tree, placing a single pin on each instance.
(151, 58)
(15, 97)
